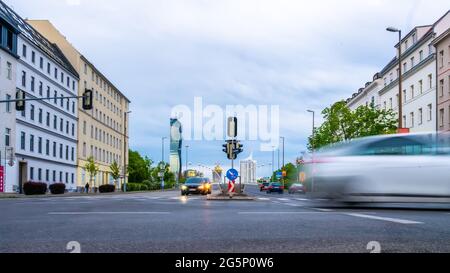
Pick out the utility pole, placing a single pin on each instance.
(162, 165)
(125, 151)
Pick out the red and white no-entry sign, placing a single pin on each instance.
(231, 186)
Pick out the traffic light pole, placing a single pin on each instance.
(34, 99)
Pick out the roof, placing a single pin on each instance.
(26, 30)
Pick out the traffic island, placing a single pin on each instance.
(230, 197)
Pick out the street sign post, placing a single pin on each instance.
(278, 175)
(232, 174)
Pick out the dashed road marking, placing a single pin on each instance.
(280, 212)
(106, 212)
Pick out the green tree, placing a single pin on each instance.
(341, 124)
(169, 177)
(139, 168)
(115, 171)
(92, 169)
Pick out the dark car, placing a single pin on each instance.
(196, 185)
(264, 186)
(296, 188)
(275, 187)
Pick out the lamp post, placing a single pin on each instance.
(187, 148)
(162, 165)
(312, 148)
(125, 150)
(400, 115)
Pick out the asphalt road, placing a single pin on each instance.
(167, 222)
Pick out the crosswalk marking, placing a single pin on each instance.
(394, 220)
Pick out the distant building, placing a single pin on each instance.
(248, 170)
(217, 174)
(442, 45)
(175, 146)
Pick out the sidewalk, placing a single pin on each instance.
(72, 194)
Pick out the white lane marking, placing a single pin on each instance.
(280, 212)
(283, 199)
(301, 199)
(394, 220)
(292, 205)
(107, 212)
(325, 210)
(263, 198)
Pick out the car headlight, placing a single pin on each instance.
(183, 187)
(200, 187)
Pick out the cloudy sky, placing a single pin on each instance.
(296, 54)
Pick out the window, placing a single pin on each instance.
(420, 87)
(420, 55)
(73, 178)
(55, 122)
(441, 88)
(73, 129)
(8, 104)
(405, 67)
(54, 176)
(40, 145)
(67, 152)
(60, 176)
(430, 81)
(40, 115)
(24, 79)
(411, 88)
(56, 73)
(430, 112)
(411, 116)
(31, 143)
(391, 77)
(32, 84)
(404, 95)
(60, 151)
(9, 71)
(85, 69)
(62, 77)
(441, 117)
(67, 178)
(33, 56)
(441, 59)
(24, 51)
(31, 173)
(47, 119)
(55, 95)
(47, 147)
(39, 174)
(67, 127)
(40, 88)
(412, 62)
(61, 125)
(47, 175)
(32, 112)
(73, 107)
(84, 149)
(48, 91)
(72, 154)
(41, 63)
(54, 149)
(22, 140)
(48, 68)
(420, 116)
(406, 45)
(7, 137)
(61, 103)
(384, 105)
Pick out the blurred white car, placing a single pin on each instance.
(388, 168)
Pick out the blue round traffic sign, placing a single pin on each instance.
(232, 174)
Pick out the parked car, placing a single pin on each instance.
(275, 187)
(196, 185)
(388, 168)
(264, 186)
(296, 188)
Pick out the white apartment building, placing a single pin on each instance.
(419, 94)
(8, 67)
(46, 132)
(248, 170)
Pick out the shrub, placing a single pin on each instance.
(34, 188)
(136, 187)
(57, 188)
(106, 188)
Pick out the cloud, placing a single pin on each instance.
(296, 54)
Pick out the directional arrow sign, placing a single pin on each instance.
(232, 174)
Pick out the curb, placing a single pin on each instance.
(17, 196)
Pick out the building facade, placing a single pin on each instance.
(175, 146)
(103, 131)
(442, 45)
(419, 80)
(8, 69)
(46, 132)
(248, 170)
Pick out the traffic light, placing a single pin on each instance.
(238, 148)
(87, 100)
(20, 100)
(228, 148)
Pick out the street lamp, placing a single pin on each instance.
(393, 29)
(162, 165)
(187, 147)
(312, 148)
(125, 150)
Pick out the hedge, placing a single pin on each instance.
(107, 188)
(34, 188)
(136, 187)
(57, 188)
